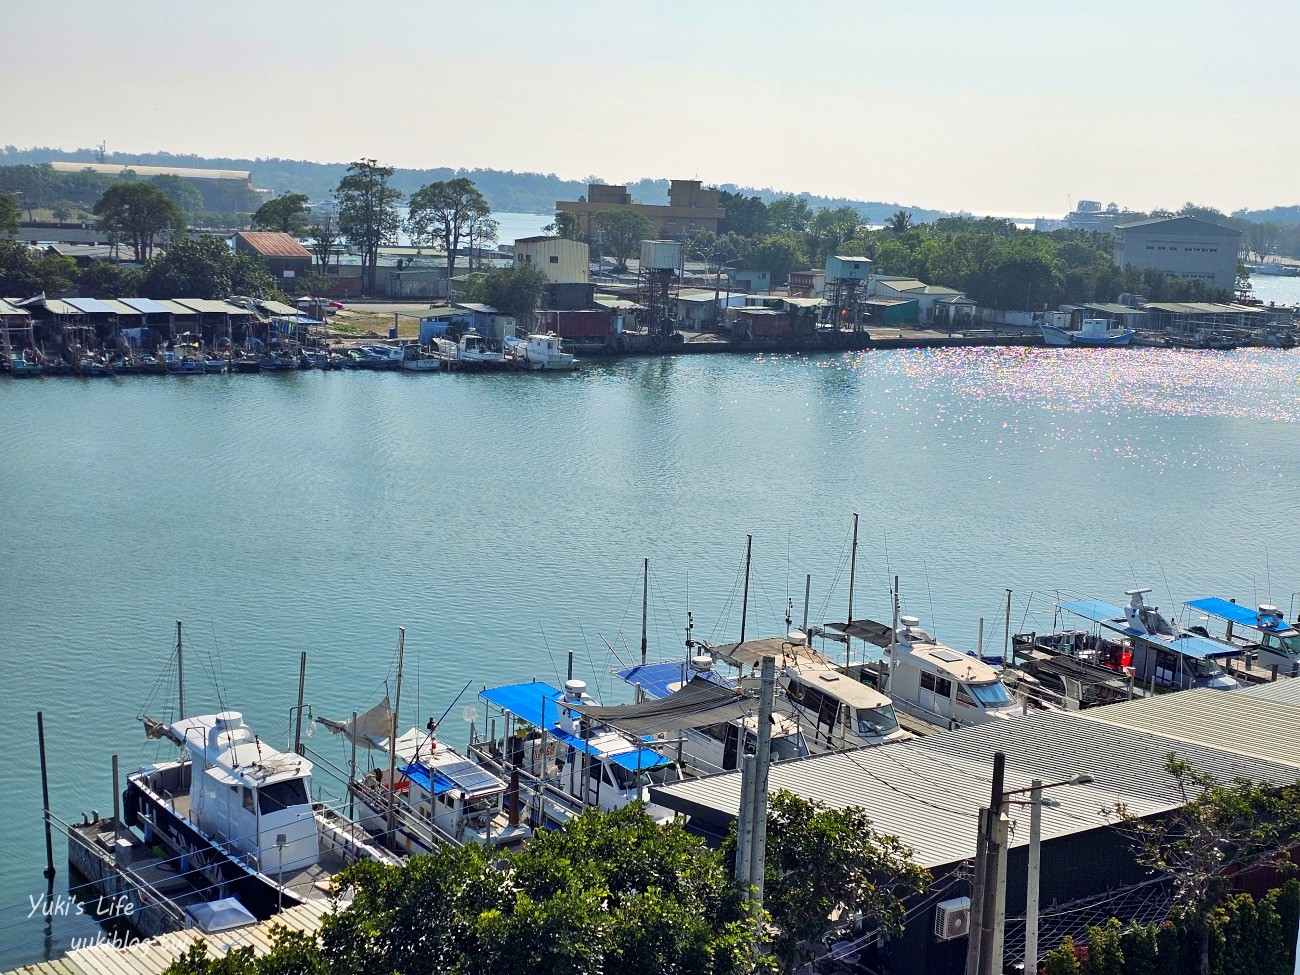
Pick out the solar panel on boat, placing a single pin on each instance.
(470, 777)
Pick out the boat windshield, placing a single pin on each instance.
(991, 695)
(1282, 644)
(788, 746)
(1206, 667)
(660, 776)
(877, 721)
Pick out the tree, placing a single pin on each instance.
(368, 215)
(746, 215)
(206, 268)
(324, 237)
(778, 255)
(623, 231)
(25, 274)
(567, 225)
(480, 231)
(443, 211)
(104, 279)
(138, 213)
(9, 214)
(1219, 829)
(286, 213)
(608, 892)
(821, 859)
(513, 291)
(180, 191)
(900, 222)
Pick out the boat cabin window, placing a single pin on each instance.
(991, 695)
(788, 747)
(619, 777)
(247, 796)
(964, 697)
(1282, 644)
(877, 721)
(939, 685)
(282, 795)
(660, 775)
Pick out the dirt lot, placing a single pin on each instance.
(374, 320)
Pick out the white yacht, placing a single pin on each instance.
(472, 350)
(941, 685)
(239, 813)
(545, 351)
(843, 712)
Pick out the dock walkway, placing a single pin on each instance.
(152, 956)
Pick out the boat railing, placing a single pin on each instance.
(542, 791)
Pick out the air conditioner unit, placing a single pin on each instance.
(952, 919)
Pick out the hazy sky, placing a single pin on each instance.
(1006, 107)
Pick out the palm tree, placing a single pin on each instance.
(900, 222)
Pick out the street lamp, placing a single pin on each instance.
(1035, 804)
(988, 894)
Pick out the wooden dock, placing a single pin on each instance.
(152, 956)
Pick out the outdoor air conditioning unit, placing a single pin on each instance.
(952, 919)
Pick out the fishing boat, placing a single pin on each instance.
(1139, 636)
(182, 362)
(541, 351)
(706, 717)
(565, 761)
(471, 352)
(437, 796)
(1091, 332)
(276, 360)
(415, 359)
(1270, 641)
(24, 364)
(239, 813)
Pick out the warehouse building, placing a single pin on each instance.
(1183, 247)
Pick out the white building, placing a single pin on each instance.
(926, 296)
(563, 261)
(1183, 247)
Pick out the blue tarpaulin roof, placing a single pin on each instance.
(1112, 618)
(658, 680)
(1224, 610)
(536, 703)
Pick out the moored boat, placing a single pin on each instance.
(1098, 332)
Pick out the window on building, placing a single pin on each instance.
(555, 259)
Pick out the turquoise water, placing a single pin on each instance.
(502, 521)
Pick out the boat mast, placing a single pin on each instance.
(853, 568)
(392, 736)
(807, 591)
(744, 600)
(180, 674)
(1006, 631)
(645, 604)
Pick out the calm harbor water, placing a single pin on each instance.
(502, 521)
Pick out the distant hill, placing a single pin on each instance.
(507, 191)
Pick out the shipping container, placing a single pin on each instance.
(576, 324)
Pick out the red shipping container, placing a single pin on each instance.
(577, 324)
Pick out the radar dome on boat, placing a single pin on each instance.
(574, 689)
(701, 661)
(797, 637)
(910, 620)
(226, 720)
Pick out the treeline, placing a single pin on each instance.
(504, 190)
(992, 261)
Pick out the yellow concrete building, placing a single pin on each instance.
(691, 208)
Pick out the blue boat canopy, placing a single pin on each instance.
(1112, 618)
(1244, 615)
(658, 680)
(537, 703)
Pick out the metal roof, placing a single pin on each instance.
(91, 306)
(1180, 225)
(274, 243)
(174, 307)
(1260, 722)
(1111, 308)
(9, 310)
(928, 791)
(208, 306)
(118, 307)
(277, 308)
(146, 306)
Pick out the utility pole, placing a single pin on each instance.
(745, 822)
(1032, 885)
(758, 851)
(990, 884)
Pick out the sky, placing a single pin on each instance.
(1015, 108)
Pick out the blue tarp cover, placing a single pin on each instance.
(658, 680)
(535, 702)
(1235, 613)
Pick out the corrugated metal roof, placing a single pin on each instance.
(1110, 308)
(928, 791)
(274, 244)
(1241, 722)
(119, 307)
(91, 306)
(146, 306)
(208, 306)
(278, 308)
(175, 307)
(8, 309)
